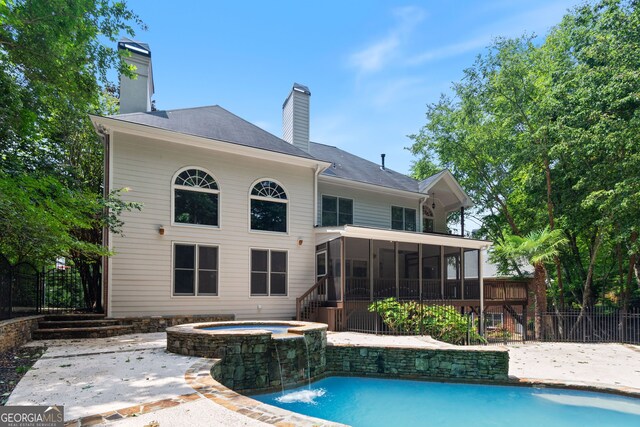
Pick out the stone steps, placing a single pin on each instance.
(85, 332)
(56, 324)
(77, 326)
(74, 316)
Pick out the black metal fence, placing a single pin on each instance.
(25, 290)
(391, 316)
(502, 324)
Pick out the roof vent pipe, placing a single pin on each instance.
(382, 156)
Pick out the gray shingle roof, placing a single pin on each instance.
(213, 122)
(354, 168)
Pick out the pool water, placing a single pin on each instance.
(389, 402)
(275, 329)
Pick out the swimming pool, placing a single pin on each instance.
(390, 402)
(273, 328)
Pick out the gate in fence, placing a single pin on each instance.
(24, 290)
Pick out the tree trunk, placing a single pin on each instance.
(540, 293)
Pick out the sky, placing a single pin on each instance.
(372, 66)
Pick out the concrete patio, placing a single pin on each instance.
(100, 376)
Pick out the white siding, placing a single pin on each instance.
(373, 208)
(141, 280)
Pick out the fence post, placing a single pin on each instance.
(525, 324)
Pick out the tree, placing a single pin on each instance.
(537, 248)
(542, 133)
(54, 60)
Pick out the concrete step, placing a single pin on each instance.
(55, 324)
(84, 332)
(74, 316)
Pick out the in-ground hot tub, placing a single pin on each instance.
(255, 355)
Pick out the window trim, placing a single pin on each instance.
(432, 217)
(404, 219)
(173, 187)
(268, 199)
(250, 269)
(353, 206)
(196, 284)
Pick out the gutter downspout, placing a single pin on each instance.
(315, 195)
(106, 189)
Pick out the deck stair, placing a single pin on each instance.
(71, 326)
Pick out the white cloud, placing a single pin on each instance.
(375, 56)
(394, 90)
(450, 50)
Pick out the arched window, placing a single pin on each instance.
(268, 207)
(196, 198)
(427, 219)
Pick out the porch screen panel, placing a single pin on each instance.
(471, 278)
(408, 270)
(431, 272)
(334, 292)
(384, 269)
(452, 284)
(356, 269)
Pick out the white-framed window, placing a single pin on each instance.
(195, 269)
(269, 205)
(336, 211)
(403, 218)
(427, 220)
(196, 198)
(269, 272)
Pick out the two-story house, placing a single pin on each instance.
(239, 221)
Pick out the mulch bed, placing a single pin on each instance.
(13, 365)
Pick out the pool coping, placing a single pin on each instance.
(199, 377)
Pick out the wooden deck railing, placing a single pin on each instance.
(307, 304)
(505, 290)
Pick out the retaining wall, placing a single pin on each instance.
(143, 325)
(18, 331)
(464, 364)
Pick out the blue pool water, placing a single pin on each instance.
(388, 402)
(276, 329)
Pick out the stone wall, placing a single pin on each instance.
(465, 364)
(143, 325)
(256, 361)
(16, 332)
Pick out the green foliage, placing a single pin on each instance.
(441, 322)
(54, 59)
(537, 247)
(543, 133)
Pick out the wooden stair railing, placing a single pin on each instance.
(308, 303)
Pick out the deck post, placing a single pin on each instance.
(481, 281)
(462, 274)
(442, 272)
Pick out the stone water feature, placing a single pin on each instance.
(255, 359)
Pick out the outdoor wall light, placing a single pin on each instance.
(161, 230)
(300, 241)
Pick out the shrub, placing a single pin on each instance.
(442, 322)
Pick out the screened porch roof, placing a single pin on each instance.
(325, 234)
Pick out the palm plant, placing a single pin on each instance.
(538, 248)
